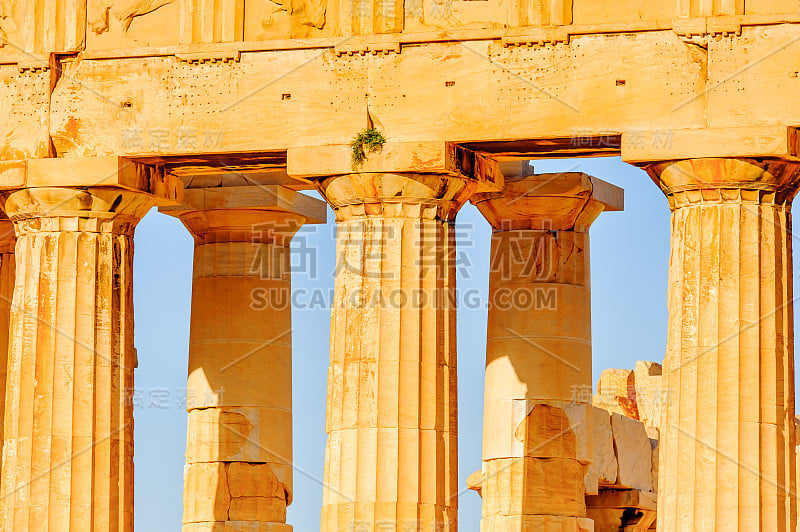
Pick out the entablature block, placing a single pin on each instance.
(84, 172)
(262, 197)
(396, 158)
(644, 147)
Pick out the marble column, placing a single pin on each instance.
(68, 441)
(727, 431)
(238, 473)
(539, 354)
(7, 243)
(391, 455)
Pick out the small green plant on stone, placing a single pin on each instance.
(367, 141)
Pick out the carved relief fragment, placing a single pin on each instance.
(123, 11)
(43, 26)
(131, 23)
(709, 8)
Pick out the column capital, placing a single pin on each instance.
(430, 196)
(259, 213)
(557, 201)
(690, 181)
(77, 209)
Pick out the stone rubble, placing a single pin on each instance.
(625, 435)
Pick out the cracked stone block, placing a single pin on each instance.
(616, 392)
(634, 454)
(236, 526)
(647, 380)
(528, 486)
(603, 469)
(239, 434)
(235, 491)
(546, 432)
(536, 523)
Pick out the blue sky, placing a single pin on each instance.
(629, 258)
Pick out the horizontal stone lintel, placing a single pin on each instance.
(649, 146)
(668, 86)
(101, 171)
(622, 498)
(261, 197)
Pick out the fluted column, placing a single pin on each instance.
(539, 352)
(68, 442)
(391, 455)
(238, 474)
(7, 243)
(727, 434)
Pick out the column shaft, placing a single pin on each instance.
(68, 442)
(391, 456)
(7, 267)
(238, 474)
(539, 355)
(239, 399)
(727, 437)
